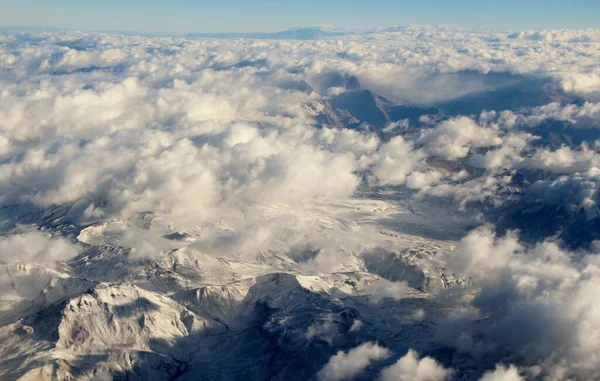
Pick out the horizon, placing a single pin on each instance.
(276, 34)
(235, 16)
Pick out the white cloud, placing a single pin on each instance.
(397, 159)
(583, 116)
(356, 326)
(343, 366)
(480, 251)
(508, 155)
(576, 191)
(582, 83)
(502, 373)
(543, 290)
(36, 247)
(382, 288)
(585, 35)
(412, 368)
(564, 160)
(475, 190)
(420, 180)
(453, 139)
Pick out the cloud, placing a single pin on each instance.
(420, 180)
(412, 368)
(508, 155)
(581, 116)
(397, 159)
(382, 289)
(563, 35)
(576, 191)
(36, 247)
(564, 160)
(356, 326)
(102, 96)
(149, 170)
(581, 83)
(532, 302)
(453, 139)
(481, 251)
(343, 365)
(418, 315)
(324, 330)
(502, 373)
(476, 190)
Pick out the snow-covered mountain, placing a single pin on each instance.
(187, 314)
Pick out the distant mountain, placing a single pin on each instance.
(308, 33)
(302, 33)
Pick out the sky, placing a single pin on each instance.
(186, 16)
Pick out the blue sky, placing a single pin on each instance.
(180, 16)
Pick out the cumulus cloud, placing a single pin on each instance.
(383, 288)
(502, 373)
(132, 103)
(586, 115)
(564, 160)
(343, 366)
(533, 302)
(397, 159)
(476, 190)
(508, 155)
(582, 83)
(420, 180)
(481, 251)
(455, 138)
(585, 35)
(577, 191)
(157, 171)
(413, 368)
(36, 247)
